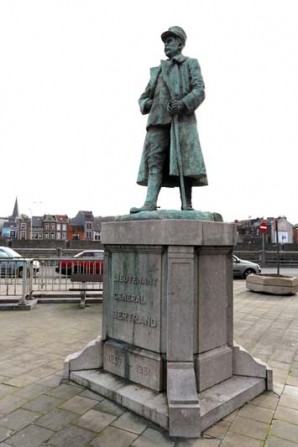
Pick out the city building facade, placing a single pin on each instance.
(248, 231)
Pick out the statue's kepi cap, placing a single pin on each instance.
(175, 31)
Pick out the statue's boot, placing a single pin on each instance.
(154, 185)
(188, 195)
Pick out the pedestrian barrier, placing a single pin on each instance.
(49, 278)
(16, 277)
(269, 258)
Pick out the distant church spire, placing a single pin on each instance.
(15, 212)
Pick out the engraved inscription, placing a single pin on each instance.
(135, 318)
(114, 360)
(143, 370)
(130, 298)
(136, 280)
(134, 304)
(133, 364)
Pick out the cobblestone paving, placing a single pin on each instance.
(38, 408)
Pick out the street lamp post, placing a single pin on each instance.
(277, 244)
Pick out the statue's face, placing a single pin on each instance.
(173, 46)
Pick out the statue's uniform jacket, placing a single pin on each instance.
(188, 86)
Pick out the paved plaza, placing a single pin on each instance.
(38, 408)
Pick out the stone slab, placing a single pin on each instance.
(180, 301)
(184, 420)
(215, 403)
(56, 419)
(89, 358)
(132, 310)
(168, 232)
(72, 436)
(112, 437)
(181, 383)
(214, 298)
(246, 365)
(213, 367)
(31, 436)
(138, 365)
(184, 410)
(222, 399)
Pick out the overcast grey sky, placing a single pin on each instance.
(71, 133)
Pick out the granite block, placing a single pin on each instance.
(213, 367)
(180, 304)
(135, 364)
(184, 409)
(89, 358)
(133, 307)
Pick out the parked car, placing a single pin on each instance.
(13, 264)
(242, 268)
(87, 261)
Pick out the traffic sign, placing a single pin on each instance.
(263, 227)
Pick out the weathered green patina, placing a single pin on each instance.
(172, 154)
(172, 215)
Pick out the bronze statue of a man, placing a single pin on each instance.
(172, 154)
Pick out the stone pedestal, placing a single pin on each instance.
(168, 326)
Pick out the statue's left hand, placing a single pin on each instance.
(176, 106)
(149, 103)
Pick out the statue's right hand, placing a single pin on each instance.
(176, 106)
(149, 103)
(169, 108)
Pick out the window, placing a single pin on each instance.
(47, 226)
(58, 227)
(23, 226)
(52, 235)
(3, 254)
(58, 235)
(52, 226)
(23, 234)
(86, 254)
(64, 227)
(64, 235)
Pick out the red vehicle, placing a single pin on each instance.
(87, 261)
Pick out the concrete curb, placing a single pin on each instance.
(17, 305)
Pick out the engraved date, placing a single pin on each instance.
(143, 370)
(114, 360)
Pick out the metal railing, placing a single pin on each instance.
(53, 275)
(15, 277)
(19, 278)
(269, 258)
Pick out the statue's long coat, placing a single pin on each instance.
(190, 89)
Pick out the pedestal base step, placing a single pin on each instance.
(215, 403)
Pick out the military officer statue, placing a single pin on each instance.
(172, 153)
